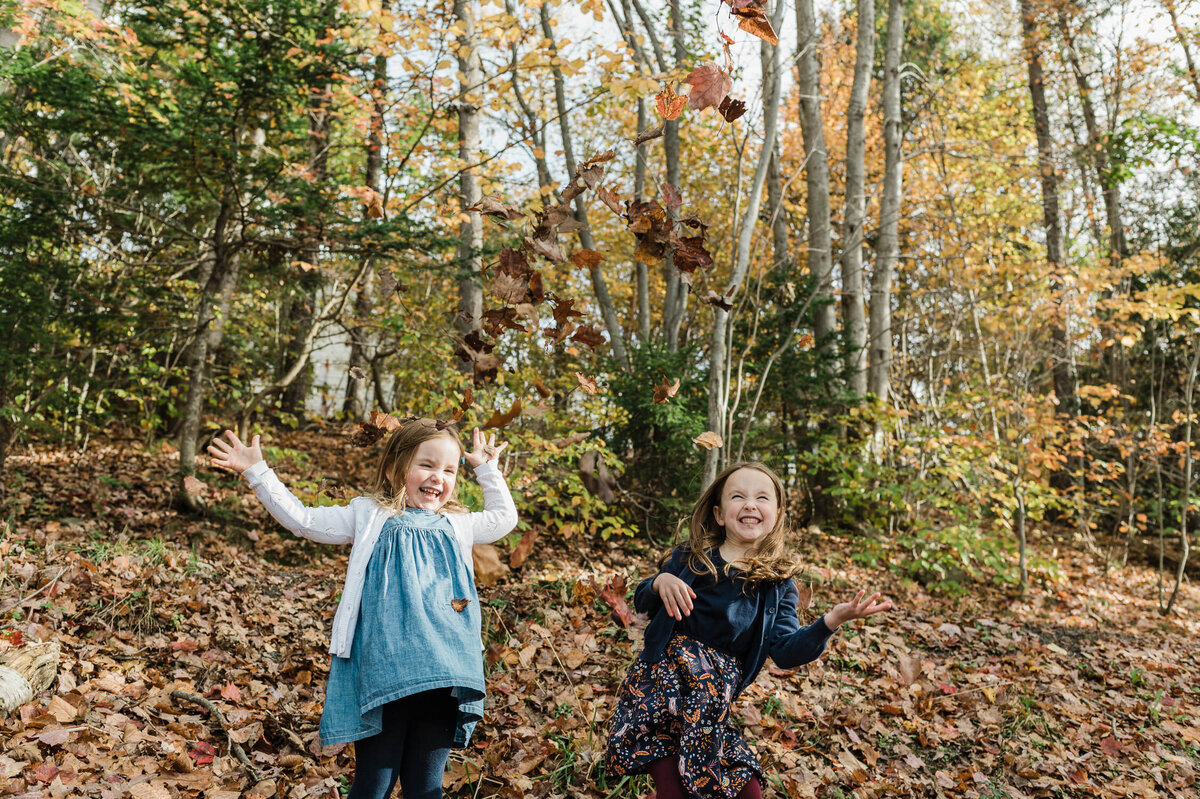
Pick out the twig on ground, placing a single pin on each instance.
(234, 747)
(21, 602)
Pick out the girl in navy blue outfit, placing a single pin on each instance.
(720, 604)
(406, 680)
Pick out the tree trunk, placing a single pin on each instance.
(308, 279)
(718, 387)
(677, 290)
(470, 287)
(1182, 39)
(1189, 407)
(888, 246)
(641, 271)
(853, 311)
(355, 403)
(216, 295)
(1064, 378)
(616, 338)
(820, 258)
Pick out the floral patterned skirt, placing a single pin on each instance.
(679, 707)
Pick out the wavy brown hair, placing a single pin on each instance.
(388, 486)
(770, 561)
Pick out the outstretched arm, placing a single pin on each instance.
(499, 514)
(331, 525)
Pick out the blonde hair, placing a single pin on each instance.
(769, 562)
(388, 486)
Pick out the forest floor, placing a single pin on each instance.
(1080, 688)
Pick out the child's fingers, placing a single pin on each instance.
(254, 443)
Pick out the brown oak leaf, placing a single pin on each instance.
(664, 391)
(586, 259)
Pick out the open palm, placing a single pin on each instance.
(230, 453)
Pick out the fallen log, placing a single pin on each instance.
(27, 671)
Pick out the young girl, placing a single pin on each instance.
(406, 682)
(719, 605)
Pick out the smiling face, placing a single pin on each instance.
(747, 511)
(432, 473)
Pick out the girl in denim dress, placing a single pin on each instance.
(719, 605)
(406, 682)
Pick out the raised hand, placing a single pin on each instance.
(232, 454)
(857, 608)
(676, 595)
(484, 448)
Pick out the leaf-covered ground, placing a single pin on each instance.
(1079, 689)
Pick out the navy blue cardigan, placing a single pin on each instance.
(782, 637)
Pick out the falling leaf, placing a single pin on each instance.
(596, 477)
(541, 389)
(377, 425)
(374, 204)
(649, 134)
(613, 595)
(564, 310)
(600, 158)
(387, 283)
(708, 440)
(731, 109)
(610, 199)
(492, 205)
(710, 84)
(498, 419)
(588, 335)
(192, 485)
(672, 199)
(586, 259)
(664, 391)
(719, 300)
(357, 373)
(488, 566)
(755, 22)
(551, 250)
(522, 550)
(459, 604)
(668, 104)
(588, 384)
(803, 593)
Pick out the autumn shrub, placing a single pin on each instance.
(663, 467)
(550, 494)
(931, 502)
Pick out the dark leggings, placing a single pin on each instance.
(412, 747)
(667, 785)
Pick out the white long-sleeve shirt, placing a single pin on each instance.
(359, 524)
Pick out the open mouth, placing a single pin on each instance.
(432, 493)
(750, 520)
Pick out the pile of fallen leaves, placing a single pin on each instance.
(194, 659)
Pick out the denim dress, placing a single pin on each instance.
(418, 630)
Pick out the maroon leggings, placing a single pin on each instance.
(667, 785)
